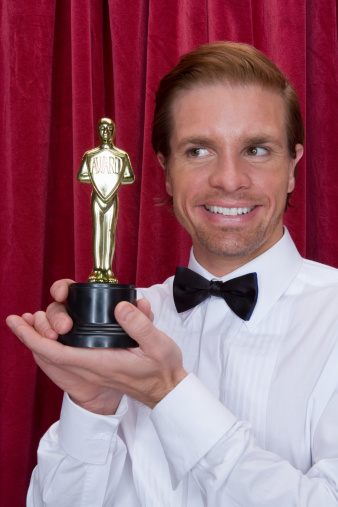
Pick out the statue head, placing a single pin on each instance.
(106, 129)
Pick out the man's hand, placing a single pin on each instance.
(96, 378)
(42, 329)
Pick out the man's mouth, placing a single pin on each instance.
(229, 211)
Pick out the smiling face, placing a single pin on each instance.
(229, 172)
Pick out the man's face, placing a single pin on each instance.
(105, 131)
(229, 171)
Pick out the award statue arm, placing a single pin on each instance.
(128, 175)
(83, 175)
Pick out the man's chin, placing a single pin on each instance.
(233, 253)
(233, 247)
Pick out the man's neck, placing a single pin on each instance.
(224, 266)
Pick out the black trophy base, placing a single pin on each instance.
(91, 306)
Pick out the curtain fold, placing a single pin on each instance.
(65, 64)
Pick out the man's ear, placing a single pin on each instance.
(299, 149)
(162, 162)
(161, 159)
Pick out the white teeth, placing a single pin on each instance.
(229, 211)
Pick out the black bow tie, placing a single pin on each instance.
(191, 289)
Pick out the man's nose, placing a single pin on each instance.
(230, 173)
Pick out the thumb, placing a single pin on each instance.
(136, 324)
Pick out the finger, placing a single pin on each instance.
(59, 290)
(144, 306)
(53, 357)
(29, 318)
(58, 318)
(52, 351)
(19, 326)
(23, 330)
(43, 326)
(10, 321)
(137, 325)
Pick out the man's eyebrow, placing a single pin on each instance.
(207, 142)
(262, 139)
(197, 141)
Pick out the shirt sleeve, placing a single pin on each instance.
(81, 460)
(199, 435)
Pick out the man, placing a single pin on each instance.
(106, 168)
(249, 415)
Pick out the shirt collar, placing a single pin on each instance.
(276, 268)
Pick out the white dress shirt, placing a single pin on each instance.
(255, 423)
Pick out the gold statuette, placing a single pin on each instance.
(106, 168)
(92, 305)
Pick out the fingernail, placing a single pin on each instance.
(126, 311)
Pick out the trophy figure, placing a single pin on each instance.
(91, 305)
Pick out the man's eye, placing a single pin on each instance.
(197, 152)
(255, 151)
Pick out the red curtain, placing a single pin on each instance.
(64, 65)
